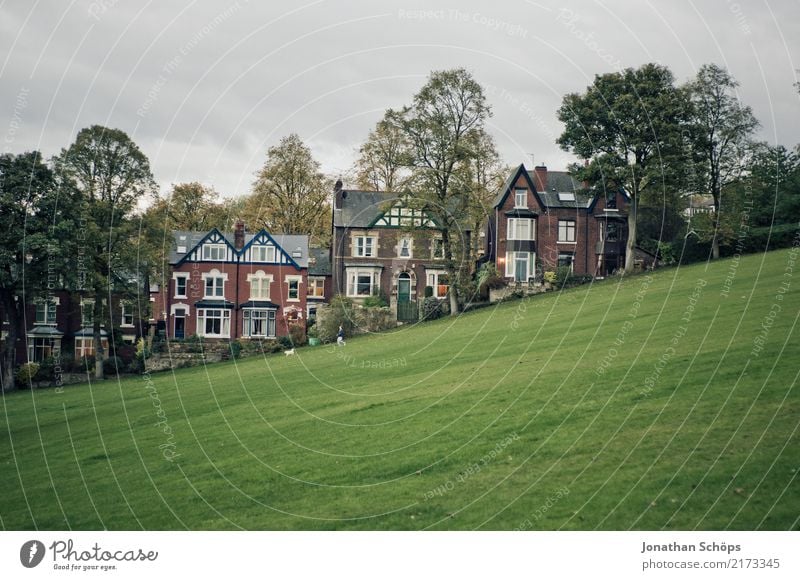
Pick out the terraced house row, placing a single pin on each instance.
(243, 285)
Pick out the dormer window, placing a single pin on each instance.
(521, 198)
(262, 253)
(214, 252)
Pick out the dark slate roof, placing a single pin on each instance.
(214, 304)
(44, 331)
(322, 262)
(563, 182)
(289, 242)
(258, 304)
(361, 208)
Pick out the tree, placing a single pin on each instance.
(290, 194)
(629, 125)
(773, 181)
(36, 227)
(482, 178)
(722, 131)
(110, 174)
(443, 127)
(190, 206)
(380, 165)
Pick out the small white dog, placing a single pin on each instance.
(289, 352)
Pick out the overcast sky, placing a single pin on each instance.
(204, 88)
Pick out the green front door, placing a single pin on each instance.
(404, 288)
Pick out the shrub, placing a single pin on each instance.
(562, 275)
(312, 332)
(86, 364)
(431, 308)
(113, 365)
(494, 282)
(377, 300)
(285, 342)
(26, 373)
(297, 334)
(375, 319)
(339, 312)
(270, 346)
(550, 277)
(428, 291)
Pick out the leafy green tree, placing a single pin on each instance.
(36, 249)
(443, 127)
(111, 175)
(290, 194)
(379, 166)
(630, 126)
(722, 131)
(190, 206)
(773, 182)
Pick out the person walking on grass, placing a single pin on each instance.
(340, 336)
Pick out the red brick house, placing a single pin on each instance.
(229, 286)
(382, 246)
(542, 220)
(62, 323)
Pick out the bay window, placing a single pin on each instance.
(214, 322)
(520, 229)
(259, 323)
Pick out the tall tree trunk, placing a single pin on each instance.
(99, 351)
(630, 245)
(452, 291)
(715, 239)
(9, 356)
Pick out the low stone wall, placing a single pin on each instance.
(511, 290)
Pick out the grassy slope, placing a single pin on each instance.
(383, 434)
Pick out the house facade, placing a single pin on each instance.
(543, 220)
(233, 285)
(61, 324)
(382, 246)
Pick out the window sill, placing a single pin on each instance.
(567, 243)
(182, 296)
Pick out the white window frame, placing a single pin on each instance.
(408, 243)
(571, 262)
(432, 279)
(352, 281)
(124, 313)
(87, 307)
(267, 315)
(511, 258)
(288, 281)
(314, 284)
(48, 307)
(221, 251)
(224, 325)
(434, 241)
(563, 227)
(519, 191)
(181, 276)
(258, 281)
(216, 274)
(512, 227)
(265, 251)
(360, 246)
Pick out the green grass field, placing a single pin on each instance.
(644, 403)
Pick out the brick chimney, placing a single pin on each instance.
(338, 195)
(540, 177)
(238, 235)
